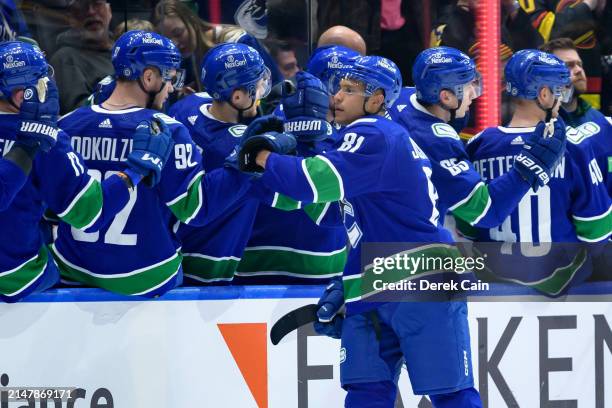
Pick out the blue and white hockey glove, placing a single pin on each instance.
(38, 116)
(541, 153)
(305, 105)
(151, 148)
(276, 142)
(330, 305)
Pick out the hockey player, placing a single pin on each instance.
(141, 252)
(446, 84)
(308, 252)
(235, 76)
(363, 173)
(42, 170)
(572, 207)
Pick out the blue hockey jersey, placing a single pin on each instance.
(574, 206)
(383, 182)
(139, 253)
(460, 188)
(305, 253)
(58, 181)
(212, 252)
(598, 133)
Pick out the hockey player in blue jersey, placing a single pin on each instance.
(236, 78)
(141, 252)
(573, 207)
(44, 172)
(362, 173)
(446, 83)
(308, 253)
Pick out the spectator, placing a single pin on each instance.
(84, 52)
(130, 25)
(284, 56)
(456, 27)
(341, 35)
(578, 110)
(576, 20)
(193, 36)
(12, 24)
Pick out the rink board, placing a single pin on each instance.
(209, 347)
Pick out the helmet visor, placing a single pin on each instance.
(264, 85)
(176, 77)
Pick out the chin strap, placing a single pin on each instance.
(241, 111)
(549, 111)
(151, 94)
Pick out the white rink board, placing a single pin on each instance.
(162, 354)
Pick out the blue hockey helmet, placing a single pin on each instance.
(328, 60)
(375, 73)
(528, 71)
(22, 64)
(440, 68)
(136, 50)
(232, 66)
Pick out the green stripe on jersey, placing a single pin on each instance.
(440, 258)
(86, 207)
(282, 202)
(324, 179)
(594, 229)
(16, 280)
(186, 206)
(314, 211)
(553, 284)
(138, 282)
(291, 262)
(209, 269)
(472, 208)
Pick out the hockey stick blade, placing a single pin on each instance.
(292, 321)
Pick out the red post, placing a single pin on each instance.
(214, 11)
(488, 33)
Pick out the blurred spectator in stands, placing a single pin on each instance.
(193, 36)
(576, 20)
(578, 110)
(284, 55)
(12, 24)
(132, 24)
(341, 35)
(84, 52)
(456, 27)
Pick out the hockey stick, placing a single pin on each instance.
(292, 321)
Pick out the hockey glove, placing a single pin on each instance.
(269, 123)
(330, 306)
(305, 106)
(281, 143)
(38, 114)
(151, 148)
(541, 153)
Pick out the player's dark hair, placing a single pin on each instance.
(563, 43)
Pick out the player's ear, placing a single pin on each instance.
(544, 95)
(17, 97)
(148, 76)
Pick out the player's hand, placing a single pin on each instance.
(330, 305)
(281, 143)
(151, 148)
(305, 105)
(542, 152)
(38, 116)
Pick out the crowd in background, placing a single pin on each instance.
(77, 35)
